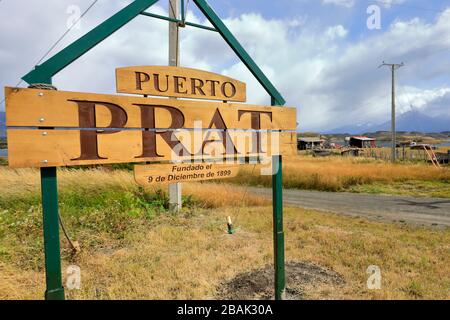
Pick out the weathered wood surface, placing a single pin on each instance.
(34, 107)
(42, 148)
(169, 81)
(153, 174)
(58, 128)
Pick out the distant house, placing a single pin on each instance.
(362, 142)
(310, 143)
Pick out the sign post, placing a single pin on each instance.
(128, 130)
(52, 250)
(278, 232)
(175, 189)
(54, 290)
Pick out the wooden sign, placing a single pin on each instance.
(179, 82)
(57, 128)
(169, 173)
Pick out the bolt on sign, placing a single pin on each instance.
(60, 128)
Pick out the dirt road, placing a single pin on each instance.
(422, 211)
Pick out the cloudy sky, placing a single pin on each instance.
(320, 54)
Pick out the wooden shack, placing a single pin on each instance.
(362, 142)
(310, 143)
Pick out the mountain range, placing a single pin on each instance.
(411, 121)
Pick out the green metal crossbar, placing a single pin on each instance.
(187, 23)
(44, 73)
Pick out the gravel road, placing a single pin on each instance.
(422, 211)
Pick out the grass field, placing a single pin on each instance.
(133, 248)
(355, 175)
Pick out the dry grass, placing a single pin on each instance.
(215, 195)
(338, 174)
(25, 182)
(130, 255)
(187, 256)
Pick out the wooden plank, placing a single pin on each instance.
(169, 81)
(47, 148)
(48, 108)
(147, 175)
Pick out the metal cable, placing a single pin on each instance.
(67, 31)
(238, 207)
(74, 248)
(173, 10)
(58, 41)
(46, 86)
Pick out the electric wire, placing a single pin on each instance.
(74, 248)
(58, 41)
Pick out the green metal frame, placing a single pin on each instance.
(183, 12)
(44, 73)
(62, 59)
(278, 232)
(49, 190)
(240, 51)
(183, 22)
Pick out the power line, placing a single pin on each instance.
(59, 40)
(66, 32)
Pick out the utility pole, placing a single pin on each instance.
(393, 66)
(174, 60)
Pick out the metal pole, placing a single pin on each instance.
(173, 33)
(278, 233)
(52, 251)
(393, 132)
(393, 67)
(183, 12)
(49, 190)
(174, 55)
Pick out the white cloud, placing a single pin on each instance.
(343, 3)
(333, 81)
(390, 3)
(336, 32)
(351, 3)
(412, 97)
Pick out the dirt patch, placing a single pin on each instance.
(303, 280)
